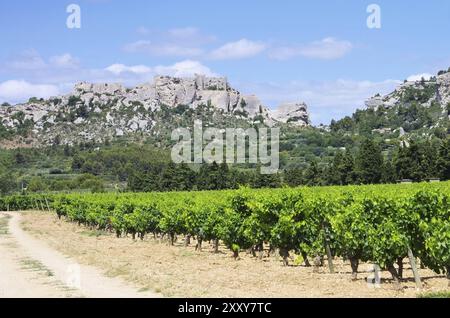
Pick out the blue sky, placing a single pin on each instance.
(320, 52)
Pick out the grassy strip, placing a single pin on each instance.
(441, 294)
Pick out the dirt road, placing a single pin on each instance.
(31, 269)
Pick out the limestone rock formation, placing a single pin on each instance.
(292, 113)
(434, 90)
(95, 112)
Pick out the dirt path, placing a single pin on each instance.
(20, 276)
(29, 268)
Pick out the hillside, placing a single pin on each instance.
(107, 136)
(104, 112)
(414, 110)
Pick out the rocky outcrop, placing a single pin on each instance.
(443, 92)
(375, 102)
(292, 113)
(425, 92)
(422, 107)
(95, 112)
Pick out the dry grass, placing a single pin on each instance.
(180, 271)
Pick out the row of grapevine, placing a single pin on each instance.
(379, 224)
(26, 202)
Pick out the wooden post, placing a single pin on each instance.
(329, 257)
(328, 250)
(448, 274)
(412, 261)
(46, 202)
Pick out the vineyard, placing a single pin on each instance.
(376, 224)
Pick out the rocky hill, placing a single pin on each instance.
(426, 92)
(99, 112)
(414, 110)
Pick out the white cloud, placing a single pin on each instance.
(184, 32)
(31, 60)
(238, 50)
(191, 35)
(181, 42)
(19, 90)
(27, 60)
(118, 69)
(326, 99)
(164, 49)
(184, 69)
(42, 84)
(64, 61)
(143, 30)
(418, 77)
(326, 49)
(181, 69)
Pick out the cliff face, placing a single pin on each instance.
(429, 92)
(292, 113)
(96, 112)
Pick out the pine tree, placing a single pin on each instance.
(336, 171)
(417, 162)
(369, 162)
(293, 177)
(388, 172)
(186, 177)
(312, 175)
(403, 163)
(169, 180)
(224, 181)
(348, 169)
(266, 180)
(443, 161)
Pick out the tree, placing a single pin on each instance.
(225, 181)
(82, 111)
(242, 178)
(169, 180)
(144, 176)
(19, 158)
(369, 162)
(443, 161)
(36, 184)
(293, 177)
(177, 177)
(403, 163)
(266, 180)
(429, 155)
(417, 162)
(335, 173)
(7, 183)
(348, 168)
(312, 175)
(209, 177)
(388, 172)
(341, 172)
(186, 177)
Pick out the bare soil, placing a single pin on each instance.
(179, 271)
(30, 268)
